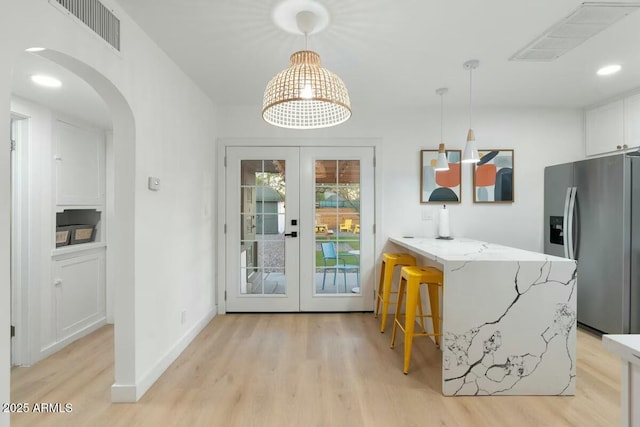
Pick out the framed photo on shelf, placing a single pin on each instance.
(493, 177)
(440, 186)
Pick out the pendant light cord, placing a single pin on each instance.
(441, 117)
(470, 97)
(306, 21)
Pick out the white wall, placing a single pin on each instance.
(540, 137)
(5, 235)
(169, 249)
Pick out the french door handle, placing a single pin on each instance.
(292, 234)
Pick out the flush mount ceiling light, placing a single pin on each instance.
(306, 95)
(608, 70)
(470, 154)
(442, 163)
(35, 49)
(46, 81)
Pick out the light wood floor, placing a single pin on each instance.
(301, 370)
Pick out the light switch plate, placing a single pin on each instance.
(154, 183)
(427, 213)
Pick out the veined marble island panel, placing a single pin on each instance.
(509, 318)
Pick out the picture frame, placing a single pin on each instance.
(440, 186)
(493, 176)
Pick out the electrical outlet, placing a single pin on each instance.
(183, 317)
(427, 214)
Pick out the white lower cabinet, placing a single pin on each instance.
(79, 293)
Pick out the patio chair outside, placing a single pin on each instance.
(329, 254)
(346, 226)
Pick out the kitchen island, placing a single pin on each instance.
(509, 317)
(628, 348)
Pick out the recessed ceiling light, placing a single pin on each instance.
(35, 49)
(609, 69)
(47, 81)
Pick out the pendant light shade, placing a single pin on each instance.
(470, 153)
(442, 164)
(306, 95)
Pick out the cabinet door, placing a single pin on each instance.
(79, 165)
(604, 128)
(79, 294)
(632, 121)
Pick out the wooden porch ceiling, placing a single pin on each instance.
(337, 171)
(327, 171)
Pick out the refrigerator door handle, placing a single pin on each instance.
(572, 210)
(565, 223)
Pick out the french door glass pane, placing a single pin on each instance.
(337, 226)
(262, 213)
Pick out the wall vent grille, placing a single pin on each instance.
(97, 17)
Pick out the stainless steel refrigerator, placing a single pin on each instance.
(592, 215)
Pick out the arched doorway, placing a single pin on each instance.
(121, 222)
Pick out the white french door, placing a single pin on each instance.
(337, 247)
(299, 229)
(261, 207)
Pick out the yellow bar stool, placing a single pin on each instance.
(411, 278)
(389, 262)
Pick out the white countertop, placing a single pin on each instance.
(462, 249)
(626, 346)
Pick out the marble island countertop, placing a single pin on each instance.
(462, 249)
(509, 317)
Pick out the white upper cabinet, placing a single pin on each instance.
(632, 121)
(604, 128)
(79, 162)
(614, 126)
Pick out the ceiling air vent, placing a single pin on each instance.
(96, 16)
(583, 23)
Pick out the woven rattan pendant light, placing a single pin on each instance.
(306, 95)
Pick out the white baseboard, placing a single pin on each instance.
(53, 348)
(132, 393)
(121, 393)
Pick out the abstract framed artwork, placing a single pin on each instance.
(493, 177)
(440, 186)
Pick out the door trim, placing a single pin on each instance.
(223, 143)
(19, 242)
